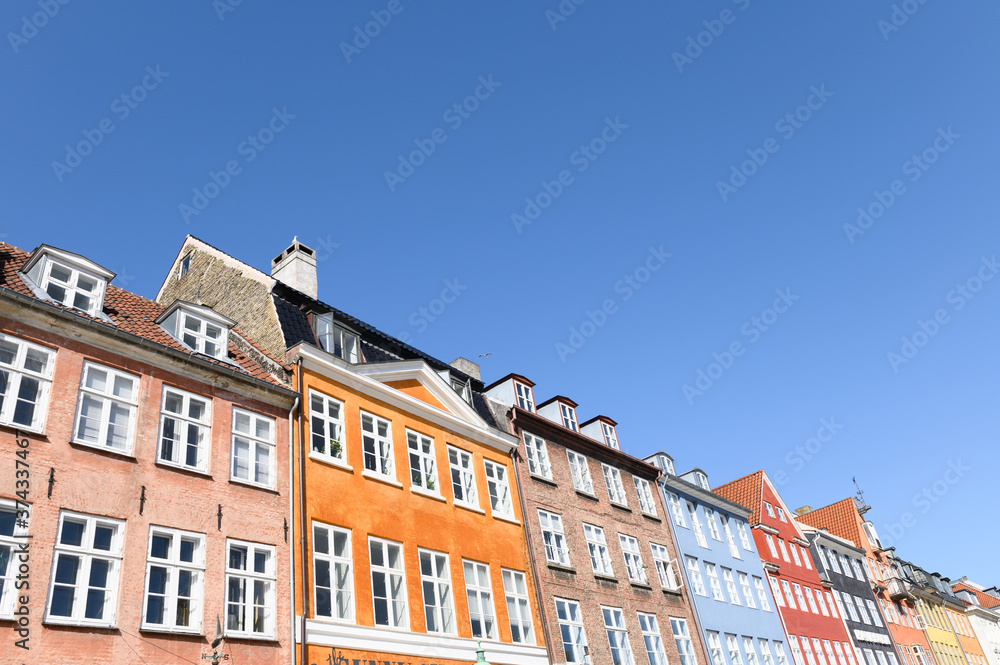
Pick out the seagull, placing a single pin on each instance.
(483, 355)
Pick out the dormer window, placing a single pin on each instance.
(201, 335)
(334, 339)
(568, 414)
(199, 328)
(702, 480)
(610, 436)
(185, 265)
(525, 397)
(463, 389)
(68, 279)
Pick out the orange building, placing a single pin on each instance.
(407, 527)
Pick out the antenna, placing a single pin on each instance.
(859, 499)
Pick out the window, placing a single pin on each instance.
(796, 653)
(818, 648)
(856, 567)
(733, 550)
(779, 652)
(665, 567)
(25, 377)
(781, 514)
(553, 537)
(807, 651)
(614, 623)
(776, 589)
(479, 593)
(571, 628)
(832, 557)
(758, 584)
(696, 524)
(870, 657)
(874, 612)
(840, 604)
(713, 525)
(333, 579)
(806, 558)
(744, 538)
(175, 570)
(845, 565)
(633, 559)
(616, 491)
(784, 551)
(786, 587)
(882, 660)
(201, 335)
(822, 557)
(829, 602)
(249, 589)
(599, 558)
(734, 650)
(769, 509)
(253, 448)
(185, 265)
(463, 478)
(185, 429)
(811, 599)
(646, 502)
(72, 288)
(715, 648)
(650, 628)
(13, 529)
(86, 562)
(849, 604)
(861, 610)
(795, 554)
(538, 456)
(610, 436)
(770, 545)
(105, 413)
(518, 608)
(747, 591)
(840, 654)
(734, 594)
(388, 583)
(676, 509)
(683, 641)
(423, 465)
(334, 339)
(798, 595)
(702, 481)
(713, 581)
(765, 652)
(580, 470)
(326, 426)
(821, 603)
(751, 653)
(694, 572)
(499, 489)
(376, 442)
(525, 398)
(568, 416)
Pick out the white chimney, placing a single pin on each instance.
(296, 267)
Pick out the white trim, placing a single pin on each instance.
(430, 495)
(380, 478)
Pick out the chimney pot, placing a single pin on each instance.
(296, 267)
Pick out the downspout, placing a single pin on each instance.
(531, 556)
(302, 514)
(291, 523)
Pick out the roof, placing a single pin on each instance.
(839, 518)
(985, 599)
(132, 314)
(747, 491)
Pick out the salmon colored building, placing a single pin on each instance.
(141, 504)
(407, 532)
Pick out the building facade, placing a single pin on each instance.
(147, 501)
(725, 578)
(935, 604)
(983, 612)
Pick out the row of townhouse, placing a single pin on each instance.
(238, 471)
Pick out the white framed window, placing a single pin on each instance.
(784, 550)
(806, 558)
(201, 335)
(832, 557)
(85, 568)
(750, 651)
(821, 603)
(747, 591)
(614, 624)
(515, 589)
(713, 524)
(830, 656)
(633, 559)
(694, 573)
(525, 396)
(766, 658)
(776, 590)
(818, 648)
(175, 572)
(376, 444)
(840, 604)
(734, 594)
(250, 578)
(845, 565)
(795, 554)
(781, 514)
(733, 646)
(435, 580)
(807, 651)
(185, 429)
(600, 560)
(676, 509)
(554, 537)
(388, 583)
(682, 638)
(574, 639)
(733, 550)
(758, 584)
(744, 537)
(105, 411)
(647, 503)
(811, 599)
(579, 468)
(25, 379)
(770, 545)
(423, 463)
(463, 477)
(796, 652)
(610, 436)
(538, 456)
(13, 529)
(779, 653)
(715, 648)
(713, 581)
(616, 491)
(650, 629)
(326, 427)
(800, 597)
(696, 524)
(841, 660)
(769, 509)
(856, 567)
(849, 605)
(72, 287)
(568, 414)
(253, 448)
(334, 339)
(787, 588)
(333, 575)
(862, 611)
(665, 567)
(498, 486)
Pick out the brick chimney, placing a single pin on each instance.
(296, 267)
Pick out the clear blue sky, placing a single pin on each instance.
(885, 95)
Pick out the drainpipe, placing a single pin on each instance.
(291, 524)
(302, 513)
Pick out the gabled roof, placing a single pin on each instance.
(840, 519)
(747, 491)
(985, 599)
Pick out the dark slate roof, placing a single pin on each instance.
(294, 324)
(494, 413)
(374, 354)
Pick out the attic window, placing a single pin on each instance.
(702, 480)
(463, 389)
(610, 436)
(68, 279)
(198, 328)
(525, 398)
(666, 464)
(185, 265)
(334, 339)
(568, 416)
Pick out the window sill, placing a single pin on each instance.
(183, 469)
(560, 567)
(543, 479)
(428, 493)
(249, 636)
(470, 507)
(247, 483)
(650, 516)
(331, 461)
(641, 585)
(507, 518)
(587, 495)
(621, 506)
(15, 428)
(162, 630)
(601, 577)
(377, 477)
(70, 623)
(103, 449)
(672, 592)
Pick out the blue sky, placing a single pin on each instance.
(622, 145)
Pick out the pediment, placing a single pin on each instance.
(416, 379)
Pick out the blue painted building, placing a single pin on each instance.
(735, 610)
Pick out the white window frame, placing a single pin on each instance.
(9, 546)
(498, 487)
(254, 445)
(776, 591)
(830, 655)
(326, 429)
(107, 400)
(440, 606)
(537, 454)
(696, 524)
(841, 660)
(579, 468)
(733, 550)
(770, 545)
(733, 647)
(666, 568)
(845, 566)
(597, 545)
(731, 589)
(651, 638)
(856, 567)
(633, 559)
(87, 554)
(463, 478)
(423, 463)
(795, 554)
(766, 658)
(174, 566)
(525, 396)
(741, 526)
(394, 577)
(780, 654)
(515, 587)
(830, 604)
(694, 572)
(330, 336)
(784, 550)
(818, 649)
(616, 490)
(568, 415)
(793, 643)
(713, 525)
(378, 453)
(821, 602)
(715, 648)
(806, 558)
(747, 590)
(800, 597)
(750, 650)
(781, 513)
(553, 537)
(711, 570)
(769, 509)
(860, 604)
(808, 652)
(72, 287)
(758, 584)
(610, 436)
(676, 509)
(851, 610)
(340, 567)
(184, 424)
(199, 339)
(267, 578)
(572, 633)
(618, 640)
(682, 639)
(647, 504)
(789, 596)
(19, 376)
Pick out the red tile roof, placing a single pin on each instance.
(747, 491)
(985, 599)
(132, 314)
(839, 518)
